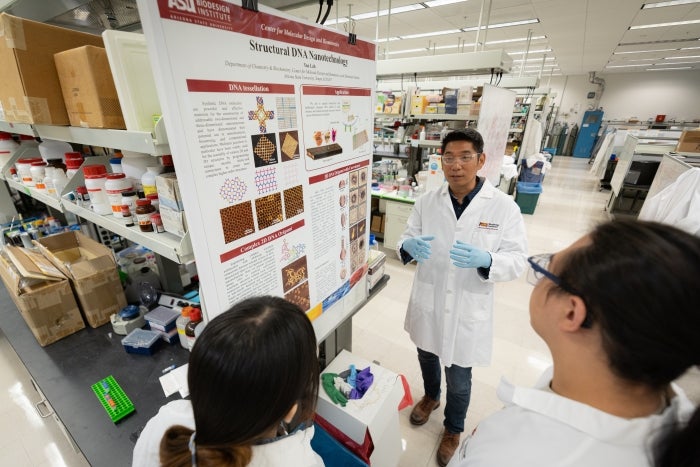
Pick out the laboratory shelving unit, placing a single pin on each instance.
(170, 249)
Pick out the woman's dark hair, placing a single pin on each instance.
(248, 368)
(470, 135)
(639, 281)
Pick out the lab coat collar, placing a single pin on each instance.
(596, 423)
(487, 190)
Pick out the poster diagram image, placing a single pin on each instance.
(286, 113)
(264, 149)
(269, 210)
(290, 145)
(359, 139)
(261, 114)
(233, 190)
(293, 202)
(354, 178)
(237, 221)
(300, 296)
(266, 180)
(321, 152)
(294, 274)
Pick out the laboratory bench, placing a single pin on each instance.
(63, 373)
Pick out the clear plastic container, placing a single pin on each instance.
(48, 180)
(116, 184)
(51, 149)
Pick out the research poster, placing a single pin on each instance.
(269, 119)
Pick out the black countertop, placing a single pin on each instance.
(66, 370)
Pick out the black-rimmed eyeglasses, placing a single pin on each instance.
(539, 269)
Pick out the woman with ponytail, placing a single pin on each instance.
(253, 378)
(620, 312)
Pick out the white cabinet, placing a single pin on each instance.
(396, 217)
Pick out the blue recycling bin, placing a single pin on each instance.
(531, 174)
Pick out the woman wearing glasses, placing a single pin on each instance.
(253, 378)
(619, 312)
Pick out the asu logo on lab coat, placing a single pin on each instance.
(489, 225)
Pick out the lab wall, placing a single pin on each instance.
(675, 94)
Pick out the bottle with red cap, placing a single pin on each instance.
(116, 184)
(73, 162)
(167, 162)
(95, 180)
(7, 147)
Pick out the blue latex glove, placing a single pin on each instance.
(353, 376)
(464, 255)
(418, 247)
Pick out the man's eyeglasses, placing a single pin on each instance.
(539, 269)
(461, 159)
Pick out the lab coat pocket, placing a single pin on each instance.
(487, 239)
(475, 306)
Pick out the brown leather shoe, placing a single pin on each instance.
(421, 411)
(447, 448)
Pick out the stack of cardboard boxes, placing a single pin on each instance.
(67, 274)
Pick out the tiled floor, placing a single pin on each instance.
(570, 205)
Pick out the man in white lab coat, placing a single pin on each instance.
(465, 235)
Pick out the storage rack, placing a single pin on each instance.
(167, 246)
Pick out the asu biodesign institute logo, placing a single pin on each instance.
(183, 5)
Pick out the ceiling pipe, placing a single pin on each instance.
(478, 29)
(486, 26)
(601, 88)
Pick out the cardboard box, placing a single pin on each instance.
(93, 273)
(173, 221)
(42, 294)
(88, 88)
(689, 142)
(377, 412)
(377, 223)
(169, 191)
(29, 88)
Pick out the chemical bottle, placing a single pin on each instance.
(181, 322)
(422, 133)
(148, 180)
(195, 319)
(59, 181)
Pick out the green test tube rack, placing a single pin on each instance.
(108, 389)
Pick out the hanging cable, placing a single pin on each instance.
(325, 17)
(320, 10)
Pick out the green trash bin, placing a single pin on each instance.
(527, 196)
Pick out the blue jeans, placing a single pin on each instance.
(459, 388)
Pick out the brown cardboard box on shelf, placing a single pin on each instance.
(88, 88)
(93, 273)
(169, 191)
(29, 88)
(377, 223)
(689, 142)
(42, 294)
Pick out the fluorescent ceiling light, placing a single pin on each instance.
(407, 51)
(394, 11)
(675, 63)
(673, 68)
(533, 59)
(521, 52)
(391, 39)
(642, 59)
(331, 22)
(671, 3)
(662, 25)
(504, 25)
(520, 39)
(682, 48)
(682, 57)
(642, 51)
(430, 34)
(434, 3)
(626, 66)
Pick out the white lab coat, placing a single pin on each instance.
(293, 450)
(678, 204)
(450, 312)
(538, 428)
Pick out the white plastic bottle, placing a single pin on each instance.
(95, 179)
(148, 180)
(48, 181)
(116, 184)
(7, 147)
(59, 181)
